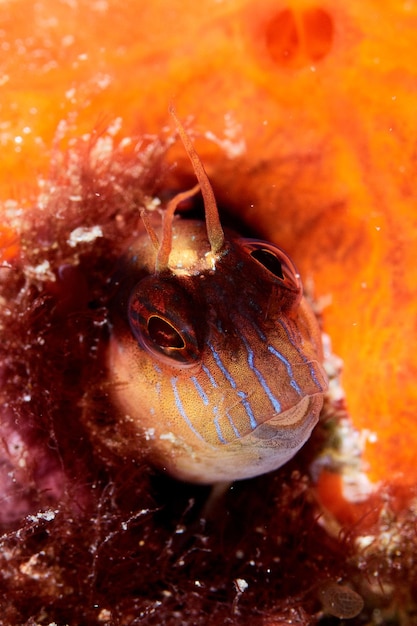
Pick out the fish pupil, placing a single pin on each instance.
(269, 261)
(164, 334)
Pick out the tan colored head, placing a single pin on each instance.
(215, 354)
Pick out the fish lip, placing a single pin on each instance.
(291, 423)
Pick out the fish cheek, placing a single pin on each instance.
(134, 383)
(310, 331)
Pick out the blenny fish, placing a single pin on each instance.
(214, 352)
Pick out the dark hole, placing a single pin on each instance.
(318, 31)
(269, 260)
(282, 37)
(298, 37)
(162, 333)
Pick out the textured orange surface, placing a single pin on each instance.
(315, 108)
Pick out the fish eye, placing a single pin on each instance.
(274, 260)
(161, 321)
(269, 260)
(163, 333)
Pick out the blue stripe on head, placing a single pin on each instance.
(314, 377)
(259, 332)
(217, 425)
(200, 391)
(235, 430)
(248, 409)
(275, 403)
(242, 395)
(288, 367)
(181, 409)
(222, 367)
(303, 357)
(209, 375)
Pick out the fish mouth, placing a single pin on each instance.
(292, 423)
